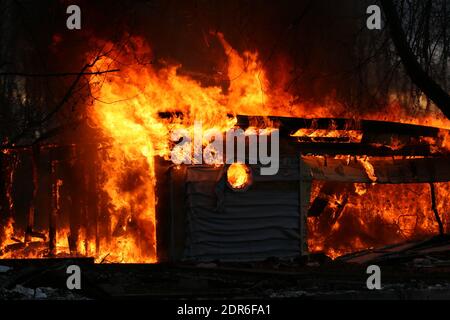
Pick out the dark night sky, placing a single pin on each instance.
(313, 40)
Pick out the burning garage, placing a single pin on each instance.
(233, 212)
(198, 136)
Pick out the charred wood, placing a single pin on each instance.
(435, 210)
(412, 66)
(35, 178)
(55, 209)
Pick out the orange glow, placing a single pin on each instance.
(238, 176)
(369, 169)
(126, 111)
(8, 233)
(378, 216)
(318, 135)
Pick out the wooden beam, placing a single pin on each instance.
(289, 124)
(332, 149)
(54, 211)
(377, 136)
(390, 171)
(33, 203)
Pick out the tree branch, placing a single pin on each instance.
(435, 210)
(59, 105)
(62, 74)
(413, 68)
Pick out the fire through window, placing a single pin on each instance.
(239, 177)
(358, 204)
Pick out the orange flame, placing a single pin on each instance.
(238, 176)
(127, 112)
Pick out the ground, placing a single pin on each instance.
(313, 278)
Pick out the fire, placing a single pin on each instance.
(318, 135)
(127, 109)
(439, 144)
(360, 188)
(369, 168)
(8, 233)
(378, 216)
(238, 176)
(127, 112)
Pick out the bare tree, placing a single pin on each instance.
(418, 74)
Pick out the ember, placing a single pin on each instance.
(238, 176)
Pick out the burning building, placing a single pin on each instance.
(323, 198)
(120, 198)
(108, 189)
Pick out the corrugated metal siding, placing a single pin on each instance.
(232, 226)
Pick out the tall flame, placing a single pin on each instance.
(127, 110)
